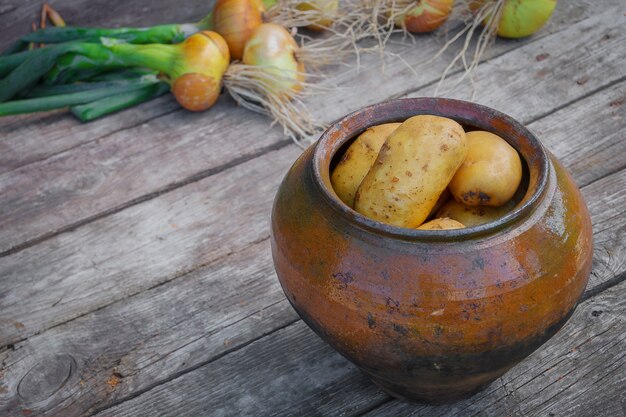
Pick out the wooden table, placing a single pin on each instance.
(135, 269)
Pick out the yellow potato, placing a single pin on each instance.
(441, 224)
(473, 215)
(443, 199)
(413, 168)
(490, 174)
(357, 160)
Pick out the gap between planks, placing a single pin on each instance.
(94, 139)
(178, 374)
(146, 197)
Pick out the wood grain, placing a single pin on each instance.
(580, 134)
(102, 176)
(293, 372)
(551, 82)
(131, 345)
(33, 138)
(138, 248)
(184, 324)
(160, 297)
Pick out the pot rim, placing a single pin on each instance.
(464, 112)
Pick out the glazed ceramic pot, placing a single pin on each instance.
(432, 316)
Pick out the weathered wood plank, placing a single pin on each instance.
(104, 175)
(605, 200)
(553, 76)
(126, 167)
(138, 248)
(180, 355)
(589, 153)
(292, 372)
(128, 346)
(35, 137)
(174, 328)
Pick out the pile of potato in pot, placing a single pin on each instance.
(428, 167)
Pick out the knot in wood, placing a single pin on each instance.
(46, 378)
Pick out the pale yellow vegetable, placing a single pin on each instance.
(490, 174)
(441, 224)
(443, 199)
(323, 12)
(413, 168)
(473, 215)
(358, 159)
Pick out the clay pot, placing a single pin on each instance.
(432, 316)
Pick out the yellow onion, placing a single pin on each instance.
(326, 9)
(274, 50)
(197, 76)
(426, 16)
(236, 20)
(520, 18)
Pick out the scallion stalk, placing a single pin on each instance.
(98, 108)
(54, 90)
(64, 100)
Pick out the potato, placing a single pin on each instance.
(490, 174)
(441, 224)
(473, 215)
(413, 168)
(441, 200)
(357, 160)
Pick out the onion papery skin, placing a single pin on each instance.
(196, 92)
(197, 78)
(326, 8)
(273, 48)
(205, 53)
(236, 20)
(426, 16)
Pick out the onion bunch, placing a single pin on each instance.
(273, 76)
(193, 69)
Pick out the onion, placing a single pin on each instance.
(273, 48)
(236, 20)
(518, 18)
(194, 68)
(426, 16)
(525, 17)
(197, 79)
(271, 79)
(323, 12)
